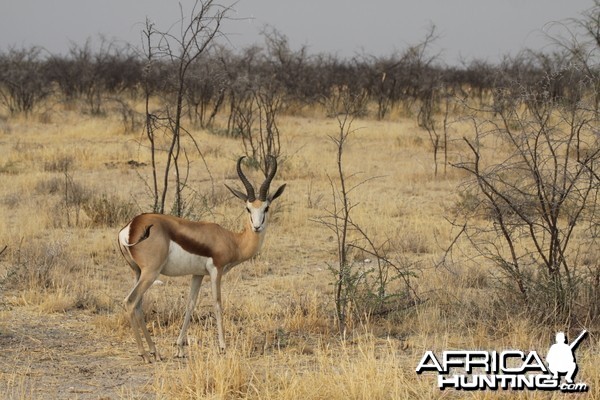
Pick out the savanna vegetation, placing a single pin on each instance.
(428, 207)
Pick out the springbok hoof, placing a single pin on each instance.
(180, 352)
(146, 358)
(156, 356)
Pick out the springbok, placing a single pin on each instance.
(155, 244)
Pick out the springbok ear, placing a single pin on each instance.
(238, 194)
(277, 193)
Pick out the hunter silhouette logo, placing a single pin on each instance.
(508, 369)
(561, 357)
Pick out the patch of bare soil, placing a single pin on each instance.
(60, 356)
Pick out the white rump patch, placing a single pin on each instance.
(124, 236)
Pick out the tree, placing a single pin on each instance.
(22, 83)
(178, 52)
(259, 89)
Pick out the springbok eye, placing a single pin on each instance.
(248, 209)
(266, 208)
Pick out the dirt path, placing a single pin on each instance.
(59, 356)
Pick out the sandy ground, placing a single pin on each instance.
(60, 356)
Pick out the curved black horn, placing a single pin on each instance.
(272, 168)
(245, 181)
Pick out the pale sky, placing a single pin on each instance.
(468, 29)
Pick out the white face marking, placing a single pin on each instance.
(258, 215)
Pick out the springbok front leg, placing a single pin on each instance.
(215, 283)
(192, 300)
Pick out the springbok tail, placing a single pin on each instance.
(145, 236)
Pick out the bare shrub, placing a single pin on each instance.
(526, 212)
(78, 205)
(361, 289)
(37, 265)
(107, 210)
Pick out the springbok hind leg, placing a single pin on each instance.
(139, 314)
(133, 306)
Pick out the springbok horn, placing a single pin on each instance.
(245, 181)
(264, 188)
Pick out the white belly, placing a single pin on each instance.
(180, 262)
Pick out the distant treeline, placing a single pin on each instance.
(223, 79)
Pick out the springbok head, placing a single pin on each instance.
(258, 208)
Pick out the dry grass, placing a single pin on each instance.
(62, 278)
